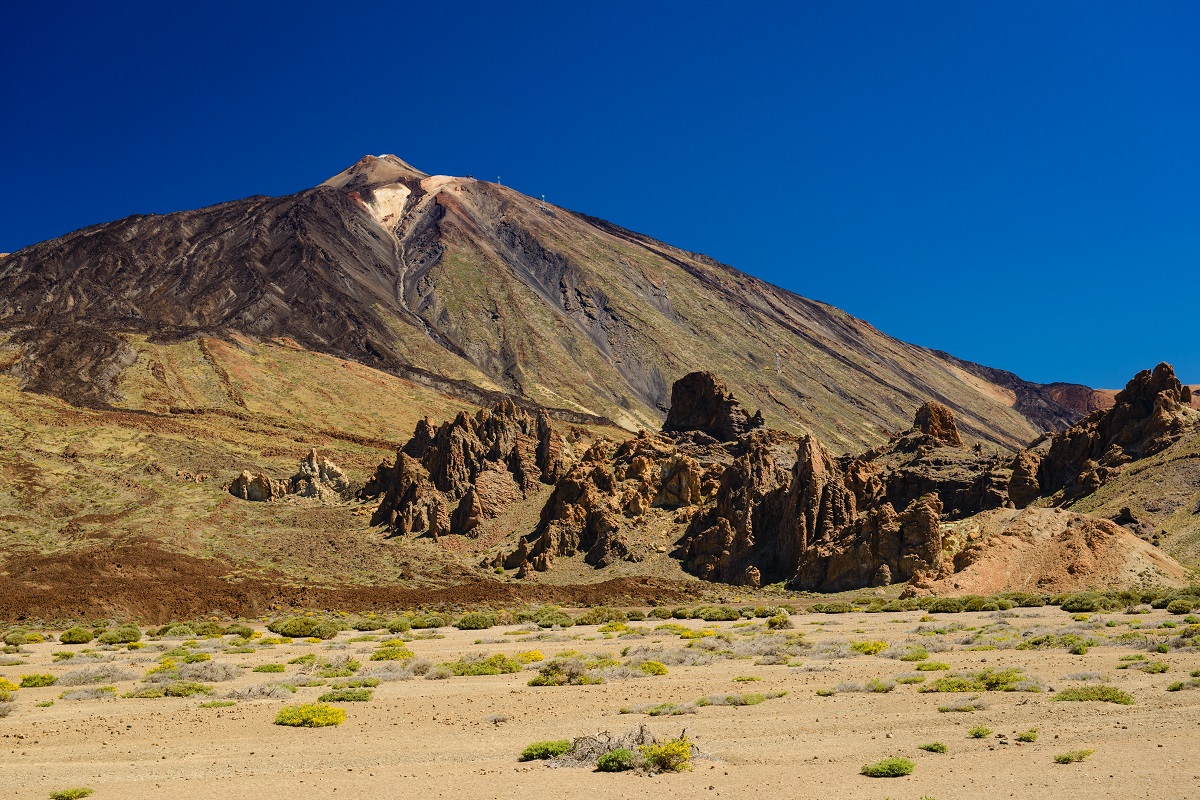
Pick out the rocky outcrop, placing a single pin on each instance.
(319, 477)
(700, 401)
(316, 477)
(256, 488)
(478, 465)
(832, 524)
(937, 422)
(1147, 416)
(601, 507)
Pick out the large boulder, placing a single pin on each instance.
(700, 401)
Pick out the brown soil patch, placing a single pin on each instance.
(144, 581)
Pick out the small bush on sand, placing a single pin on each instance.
(1028, 736)
(498, 664)
(618, 760)
(77, 635)
(653, 668)
(8, 686)
(346, 696)
(303, 628)
(979, 732)
(310, 715)
(888, 768)
(37, 681)
(538, 751)
(672, 755)
(270, 668)
(392, 654)
(122, 635)
(1105, 694)
(1072, 756)
(71, 794)
(934, 747)
(932, 666)
(186, 689)
(868, 648)
(475, 621)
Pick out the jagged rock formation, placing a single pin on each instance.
(1149, 415)
(317, 477)
(477, 465)
(614, 491)
(834, 525)
(700, 401)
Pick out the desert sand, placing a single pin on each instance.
(461, 736)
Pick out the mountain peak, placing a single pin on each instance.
(375, 171)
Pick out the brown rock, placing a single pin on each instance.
(700, 401)
(937, 422)
(258, 488)
(680, 483)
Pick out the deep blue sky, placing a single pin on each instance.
(1016, 183)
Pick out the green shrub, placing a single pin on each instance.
(832, 608)
(779, 622)
(550, 617)
(653, 668)
(540, 751)
(303, 628)
(186, 689)
(979, 732)
(499, 664)
(719, 614)
(425, 621)
(934, 747)
(270, 668)
(1182, 605)
(914, 653)
(1087, 601)
(392, 654)
(932, 666)
(945, 605)
(1106, 694)
(659, 613)
(77, 635)
(673, 755)
(399, 625)
(634, 616)
(888, 768)
(71, 794)
(618, 760)
(600, 615)
(240, 630)
(367, 624)
(122, 635)
(37, 681)
(868, 648)
(1072, 756)
(310, 715)
(475, 621)
(346, 695)
(1028, 736)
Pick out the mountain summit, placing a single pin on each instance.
(479, 291)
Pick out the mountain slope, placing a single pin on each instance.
(474, 289)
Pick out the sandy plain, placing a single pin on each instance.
(461, 736)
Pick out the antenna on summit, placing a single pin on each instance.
(543, 202)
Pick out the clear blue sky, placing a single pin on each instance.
(1015, 182)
